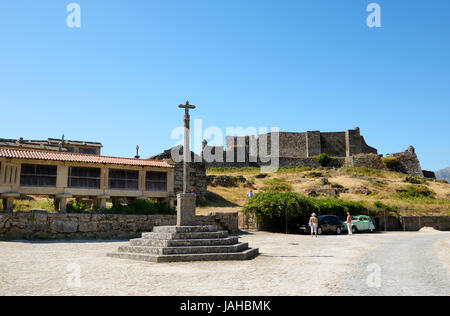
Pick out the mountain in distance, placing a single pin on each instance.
(443, 174)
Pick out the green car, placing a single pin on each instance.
(360, 223)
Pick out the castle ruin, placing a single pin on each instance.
(295, 149)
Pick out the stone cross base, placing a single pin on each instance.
(186, 209)
(185, 243)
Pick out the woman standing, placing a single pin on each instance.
(313, 223)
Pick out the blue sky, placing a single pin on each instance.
(295, 64)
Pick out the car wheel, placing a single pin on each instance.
(338, 231)
(354, 229)
(319, 231)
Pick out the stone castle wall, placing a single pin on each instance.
(365, 160)
(408, 162)
(292, 146)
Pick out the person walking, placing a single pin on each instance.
(250, 194)
(349, 224)
(313, 223)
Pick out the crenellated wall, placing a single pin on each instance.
(294, 148)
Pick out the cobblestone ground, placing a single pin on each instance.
(405, 265)
(288, 265)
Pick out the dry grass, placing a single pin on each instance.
(382, 184)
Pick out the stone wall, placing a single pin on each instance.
(45, 226)
(333, 144)
(248, 221)
(366, 149)
(389, 223)
(292, 145)
(41, 225)
(429, 174)
(224, 221)
(365, 160)
(285, 162)
(411, 223)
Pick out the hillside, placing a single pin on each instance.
(443, 174)
(227, 189)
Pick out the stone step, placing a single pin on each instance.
(184, 229)
(184, 250)
(184, 242)
(244, 255)
(177, 236)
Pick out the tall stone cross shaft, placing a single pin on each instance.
(186, 147)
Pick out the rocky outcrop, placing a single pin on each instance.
(408, 162)
(225, 181)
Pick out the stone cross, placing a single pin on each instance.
(137, 152)
(61, 145)
(186, 147)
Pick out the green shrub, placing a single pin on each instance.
(385, 207)
(324, 160)
(277, 185)
(415, 180)
(78, 207)
(416, 191)
(390, 162)
(48, 205)
(294, 205)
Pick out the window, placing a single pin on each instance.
(156, 181)
(123, 179)
(90, 151)
(38, 175)
(84, 178)
(70, 149)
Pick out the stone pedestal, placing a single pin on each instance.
(100, 201)
(186, 209)
(61, 202)
(185, 243)
(8, 201)
(8, 204)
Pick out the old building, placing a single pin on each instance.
(65, 175)
(54, 144)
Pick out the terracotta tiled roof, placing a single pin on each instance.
(71, 157)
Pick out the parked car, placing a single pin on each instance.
(360, 223)
(327, 224)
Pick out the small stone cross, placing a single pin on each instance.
(186, 107)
